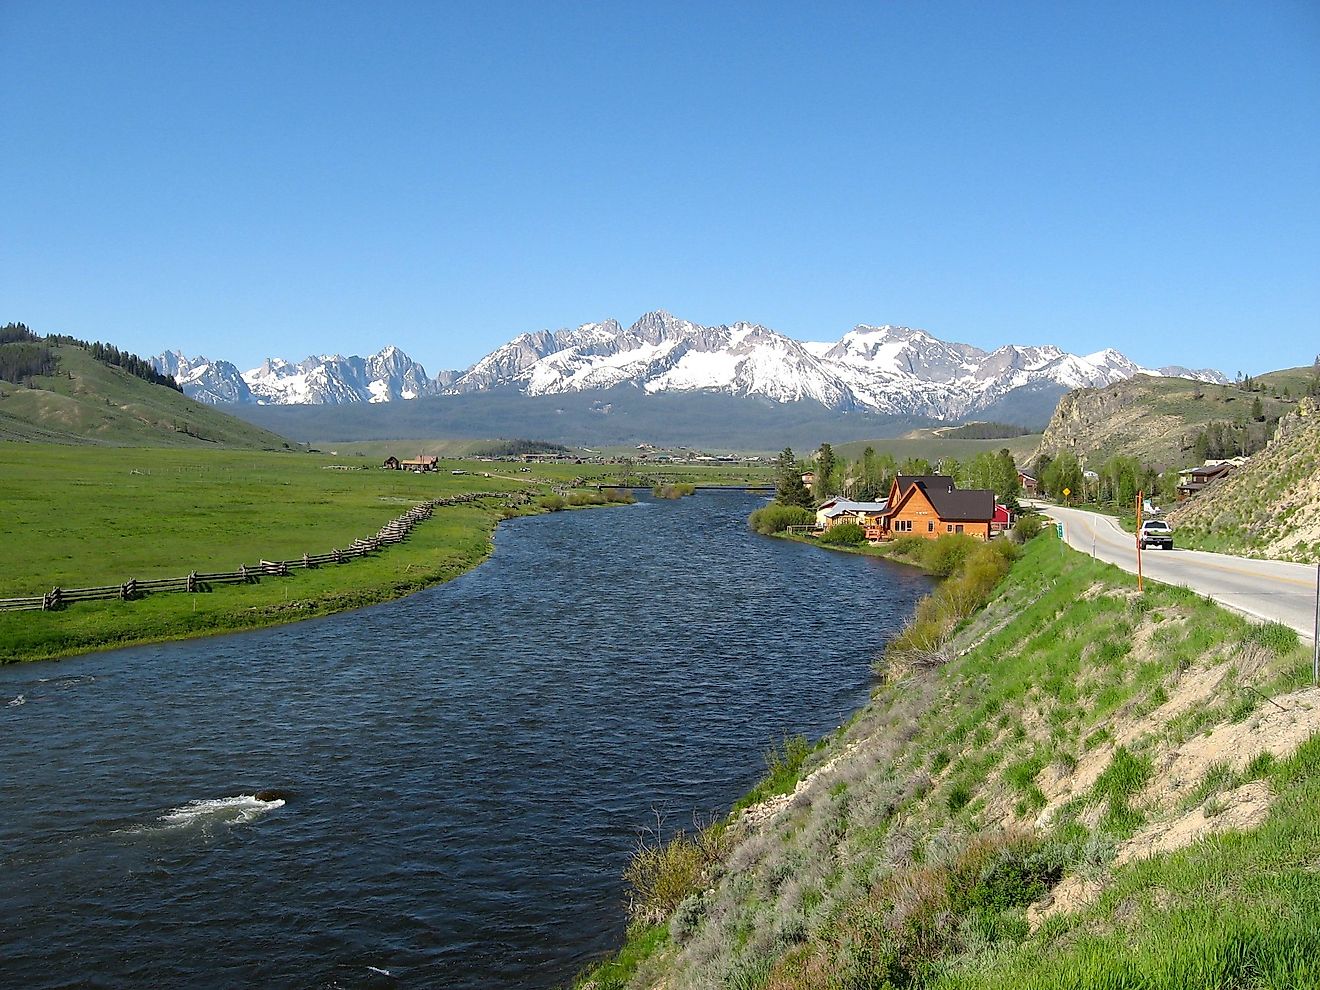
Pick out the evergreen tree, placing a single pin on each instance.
(789, 489)
(824, 485)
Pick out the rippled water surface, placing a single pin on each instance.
(460, 775)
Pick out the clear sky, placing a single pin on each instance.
(245, 179)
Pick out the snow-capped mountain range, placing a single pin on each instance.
(885, 369)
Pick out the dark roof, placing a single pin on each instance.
(960, 505)
(905, 481)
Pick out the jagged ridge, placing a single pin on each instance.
(888, 369)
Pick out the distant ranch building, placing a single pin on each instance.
(421, 463)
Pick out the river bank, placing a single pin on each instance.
(1017, 813)
(83, 517)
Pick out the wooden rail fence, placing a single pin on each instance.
(394, 531)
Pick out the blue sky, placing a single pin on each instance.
(250, 179)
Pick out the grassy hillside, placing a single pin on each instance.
(932, 445)
(1158, 420)
(84, 401)
(1269, 508)
(1297, 382)
(1086, 787)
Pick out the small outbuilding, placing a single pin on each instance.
(421, 463)
(392, 463)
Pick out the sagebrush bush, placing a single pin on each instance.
(552, 503)
(673, 490)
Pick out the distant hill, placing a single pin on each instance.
(624, 415)
(1293, 382)
(1271, 506)
(932, 445)
(55, 391)
(1164, 422)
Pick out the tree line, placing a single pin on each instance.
(109, 354)
(869, 477)
(23, 355)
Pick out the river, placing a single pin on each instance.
(463, 772)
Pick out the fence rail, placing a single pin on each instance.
(394, 531)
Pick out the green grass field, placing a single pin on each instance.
(456, 455)
(90, 516)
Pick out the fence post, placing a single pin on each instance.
(192, 581)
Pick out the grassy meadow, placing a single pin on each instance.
(88, 516)
(1079, 786)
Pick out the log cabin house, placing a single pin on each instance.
(931, 505)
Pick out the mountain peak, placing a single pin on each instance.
(886, 368)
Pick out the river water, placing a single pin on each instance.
(463, 772)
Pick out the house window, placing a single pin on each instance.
(930, 527)
(958, 528)
(948, 528)
(903, 526)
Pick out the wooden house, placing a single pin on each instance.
(392, 463)
(1002, 520)
(1030, 486)
(1194, 479)
(931, 505)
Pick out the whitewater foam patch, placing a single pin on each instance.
(210, 814)
(15, 702)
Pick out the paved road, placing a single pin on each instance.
(1267, 589)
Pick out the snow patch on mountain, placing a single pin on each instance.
(889, 369)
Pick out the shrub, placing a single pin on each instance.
(552, 503)
(776, 518)
(946, 554)
(619, 496)
(663, 874)
(844, 535)
(1027, 527)
(922, 640)
(673, 490)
